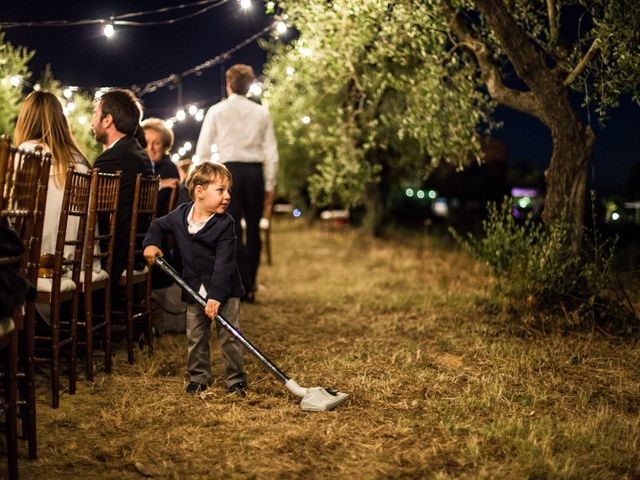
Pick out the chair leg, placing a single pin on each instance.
(55, 355)
(88, 329)
(130, 322)
(149, 321)
(28, 385)
(11, 398)
(268, 245)
(73, 350)
(107, 329)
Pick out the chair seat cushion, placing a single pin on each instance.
(95, 276)
(144, 271)
(45, 284)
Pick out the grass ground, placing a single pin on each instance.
(439, 388)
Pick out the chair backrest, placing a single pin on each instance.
(103, 202)
(172, 198)
(142, 214)
(75, 202)
(24, 178)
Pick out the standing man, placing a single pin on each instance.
(115, 123)
(241, 132)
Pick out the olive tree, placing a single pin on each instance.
(367, 93)
(13, 70)
(403, 84)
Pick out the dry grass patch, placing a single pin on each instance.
(439, 388)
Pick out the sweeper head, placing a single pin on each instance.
(316, 399)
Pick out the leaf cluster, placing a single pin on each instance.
(383, 89)
(535, 268)
(13, 61)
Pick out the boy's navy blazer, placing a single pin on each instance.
(208, 257)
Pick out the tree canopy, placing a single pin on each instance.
(391, 88)
(14, 71)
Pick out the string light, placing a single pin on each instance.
(15, 80)
(246, 4)
(109, 31)
(306, 119)
(255, 89)
(281, 27)
(223, 57)
(119, 19)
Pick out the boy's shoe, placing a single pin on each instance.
(195, 387)
(239, 389)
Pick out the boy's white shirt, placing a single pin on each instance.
(194, 228)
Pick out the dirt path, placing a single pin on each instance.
(438, 390)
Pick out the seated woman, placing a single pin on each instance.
(169, 312)
(41, 122)
(159, 142)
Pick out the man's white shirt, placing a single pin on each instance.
(242, 131)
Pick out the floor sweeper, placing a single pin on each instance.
(314, 399)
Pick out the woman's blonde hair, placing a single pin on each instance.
(161, 127)
(42, 120)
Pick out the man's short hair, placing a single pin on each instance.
(124, 109)
(158, 125)
(204, 174)
(240, 77)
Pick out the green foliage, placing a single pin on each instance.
(13, 63)
(80, 123)
(535, 267)
(381, 89)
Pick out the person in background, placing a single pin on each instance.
(184, 166)
(206, 237)
(41, 122)
(115, 124)
(241, 132)
(159, 143)
(168, 310)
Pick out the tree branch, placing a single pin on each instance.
(593, 52)
(554, 23)
(518, 100)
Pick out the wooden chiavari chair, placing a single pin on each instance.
(23, 188)
(137, 282)
(63, 284)
(99, 245)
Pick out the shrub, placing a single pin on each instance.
(536, 269)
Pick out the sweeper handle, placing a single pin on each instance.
(169, 270)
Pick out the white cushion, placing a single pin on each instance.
(95, 276)
(45, 284)
(136, 272)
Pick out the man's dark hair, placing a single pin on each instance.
(124, 109)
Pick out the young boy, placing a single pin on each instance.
(206, 237)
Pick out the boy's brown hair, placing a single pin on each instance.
(204, 174)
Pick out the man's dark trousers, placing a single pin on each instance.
(247, 200)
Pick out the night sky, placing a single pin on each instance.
(82, 56)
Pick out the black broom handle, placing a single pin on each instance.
(169, 270)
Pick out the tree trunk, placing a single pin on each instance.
(376, 194)
(373, 221)
(566, 176)
(548, 100)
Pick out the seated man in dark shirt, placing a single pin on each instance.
(115, 123)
